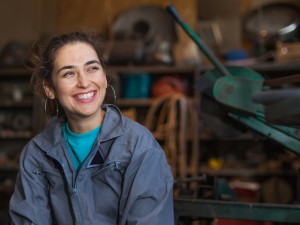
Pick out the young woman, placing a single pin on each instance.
(90, 165)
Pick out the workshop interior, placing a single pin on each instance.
(216, 82)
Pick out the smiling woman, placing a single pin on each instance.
(79, 84)
(91, 164)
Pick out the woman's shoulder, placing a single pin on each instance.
(136, 128)
(126, 124)
(49, 136)
(126, 131)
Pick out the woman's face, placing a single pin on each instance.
(78, 81)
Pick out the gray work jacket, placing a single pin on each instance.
(125, 180)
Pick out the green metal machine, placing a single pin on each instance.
(234, 88)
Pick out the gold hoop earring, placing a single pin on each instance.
(114, 93)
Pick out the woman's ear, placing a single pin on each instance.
(48, 90)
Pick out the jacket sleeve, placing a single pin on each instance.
(29, 202)
(150, 196)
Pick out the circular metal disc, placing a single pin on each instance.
(146, 22)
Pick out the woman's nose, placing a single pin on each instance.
(83, 81)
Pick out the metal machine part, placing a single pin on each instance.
(270, 23)
(143, 34)
(227, 85)
(146, 22)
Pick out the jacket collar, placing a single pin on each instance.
(113, 123)
(52, 136)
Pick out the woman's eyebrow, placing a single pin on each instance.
(72, 67)
(92, 62)
(65, 68)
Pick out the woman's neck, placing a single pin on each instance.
(83, 125)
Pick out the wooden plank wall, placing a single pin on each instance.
(99, 15)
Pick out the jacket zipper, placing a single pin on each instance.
(74, 192)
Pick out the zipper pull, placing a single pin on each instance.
(117, 165)
(74, 191)
(37, 171)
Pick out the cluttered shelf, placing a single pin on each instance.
(18, 121)
(139, 86)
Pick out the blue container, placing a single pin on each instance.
(136, 85)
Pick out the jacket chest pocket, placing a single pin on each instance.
(105, 173)
(58, 194)
(54, 178)
(107, 185)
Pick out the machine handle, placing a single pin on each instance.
(273, 96)
(172, 10)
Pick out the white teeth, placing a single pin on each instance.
(86, 96)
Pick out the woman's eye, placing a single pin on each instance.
(67, 74)
(94, 68)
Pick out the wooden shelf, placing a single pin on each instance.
(246, 172)
(267, 67)
(5, 134)
(10, 103)
(155, 69)
(14, 72)
(135, 102)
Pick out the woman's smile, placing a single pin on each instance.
(85, 97)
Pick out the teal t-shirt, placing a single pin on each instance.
(80, 145)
